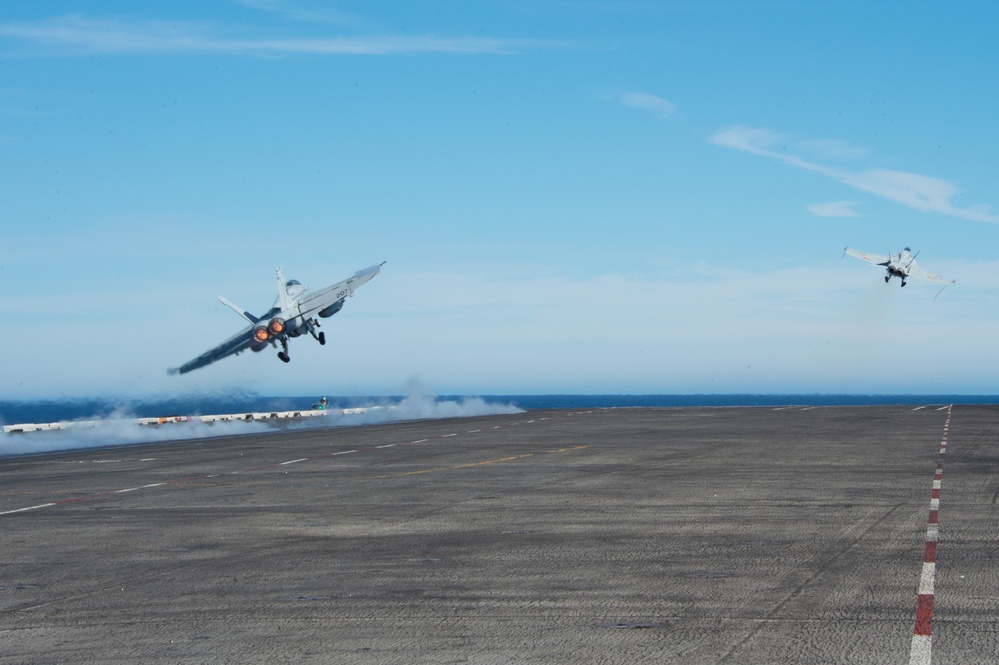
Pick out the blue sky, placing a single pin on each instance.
(579, 197)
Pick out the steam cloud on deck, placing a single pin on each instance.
(119, 430)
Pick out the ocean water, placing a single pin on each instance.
(118, 427)
(45, 411)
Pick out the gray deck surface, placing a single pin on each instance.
(726, 535)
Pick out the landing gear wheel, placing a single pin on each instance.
(283, 356)
(903, 283)
(887, 277)
(322, 339)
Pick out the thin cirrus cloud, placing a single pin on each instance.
(662, 108)
(924, 193)
(79, 35)
(291, 11)
(834, 209)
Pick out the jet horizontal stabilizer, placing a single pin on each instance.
(239, 310)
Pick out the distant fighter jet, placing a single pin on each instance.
(293, 314)
(901, 265)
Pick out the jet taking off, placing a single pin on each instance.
(901, 265)
(293, 314)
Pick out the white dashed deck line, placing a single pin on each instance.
(24, 510)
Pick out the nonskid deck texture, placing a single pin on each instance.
(727, 535)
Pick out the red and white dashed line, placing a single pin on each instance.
(921, 651)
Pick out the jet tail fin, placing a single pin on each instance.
(283, 300)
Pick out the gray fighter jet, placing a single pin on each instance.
(901, 265)
(294, 313)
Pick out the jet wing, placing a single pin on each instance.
(873, 259)
(916, 271)
(315, 301)
(239, 342)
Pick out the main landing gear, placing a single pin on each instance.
(320, 336)
(311, 325)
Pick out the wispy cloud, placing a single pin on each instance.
(832, 149)
(662, 108)
(921, 192)
(294, 12)
(80, 35)
(834, 209)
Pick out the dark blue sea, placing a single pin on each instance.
(17, 412)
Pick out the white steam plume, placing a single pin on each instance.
(414, 407)
(117, 430)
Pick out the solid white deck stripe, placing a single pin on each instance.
(921, 650)
(926, 579)
(24, 510)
